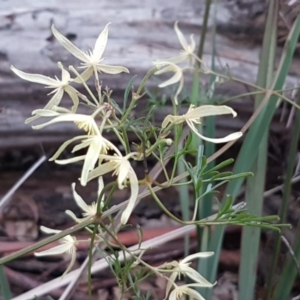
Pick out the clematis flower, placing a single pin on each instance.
(194, 115)
(186, 289)
(122, 168)
(95, 142)
(183, 268)
(59, 86)
(88, 210)
(169, 66)
(187, 52)
(68, 245)
(91, 60)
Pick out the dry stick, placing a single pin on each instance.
(8, 195)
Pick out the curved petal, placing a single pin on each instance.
(69, 46)
(100, 187)
(72, 262)
(79, 201)
(194, 275)
(194, 294)
(85, 75)
(64, 118)
(55, 100)
(65, 75)
(60, 249)
(134, 185)
(91, 158)
(124, 169)
(49, 230)
(64, 146)
(41, 79)
(101, 170)
(228, 138)
(197, 255)
(193, 43)
(170, 119)
(69, 160)
(181, 37)
(166, 67)
(73, 95)
(73, 216)
(101, 43)
(209, 110)
(112, 69)
(174, 79)
(180, 86)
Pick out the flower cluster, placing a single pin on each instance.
(96, 161)
(182, 268)
(100, 156)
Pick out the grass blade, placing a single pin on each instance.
(254, 137)
(256, 184)
(4, 286)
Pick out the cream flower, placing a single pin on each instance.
(183, 268)
(122, 168)
(194, 115)
(169, 66)
(91, 60)
(68, 245)
(95, 142)
(187, 52)
(185, 289)
(88, 210)
(59, 86)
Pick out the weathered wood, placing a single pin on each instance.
(141, 32)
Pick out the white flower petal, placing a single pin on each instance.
(174, 79)
(41, 79)
(65, 118)
(180, 86)
(85, 75)
(169, 119)
(60, 249)
(69, 46)
(72, 262)
(134, 185)
(73, 95)
(55, 100)
(49, 230)
(197, 255)
(101, 170)
(79, 201)
(124, 169)
(69, 160)
(91, 158)
(181, 37)
(100, 187)
(73, 216)
(101, 43)
(65, 75)
(64, 146)
(228, 138)
(195, 276)
(209, 110)
(112, 69)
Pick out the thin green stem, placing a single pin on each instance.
(145, 79)
(71, 68)
(203, 30)
(91, 262)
